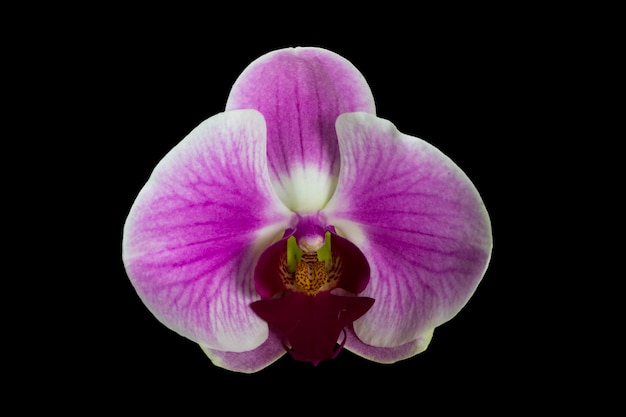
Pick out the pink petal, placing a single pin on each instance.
(301, 92)
(386, 354)
(251, 361)
(419, 221)
(197, 227)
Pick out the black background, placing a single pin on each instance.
(474, 89)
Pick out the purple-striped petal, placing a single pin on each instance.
(197, 227)
(419, 221)
(386, 354)
(251, 361)
(301, 92)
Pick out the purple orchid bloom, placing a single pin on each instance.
(297, 221)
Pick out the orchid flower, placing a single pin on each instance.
(299, 222)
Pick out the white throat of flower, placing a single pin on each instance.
(305, 189)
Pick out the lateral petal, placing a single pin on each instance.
(197, 227)
(301, 92)
(251, 361)
(386, 354)
(419, 221)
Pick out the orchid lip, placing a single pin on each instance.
(299, 302)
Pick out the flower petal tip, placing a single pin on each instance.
(388, 355)
(250, 361)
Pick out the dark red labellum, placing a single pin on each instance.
(312, 325)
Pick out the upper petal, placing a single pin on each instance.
(301, 92)
(197, 227)
(419, 221)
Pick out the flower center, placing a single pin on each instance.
(310, 272)
(295, 277)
